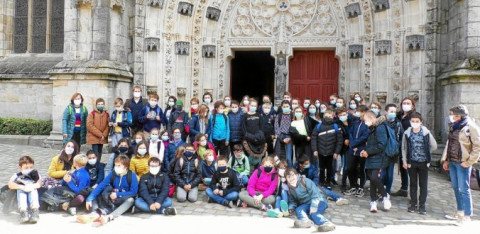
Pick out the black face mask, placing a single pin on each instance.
(327, 120)
(123, 149)
(267, 169)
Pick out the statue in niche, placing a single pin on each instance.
(281, 73)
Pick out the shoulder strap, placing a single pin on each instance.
(319, 125)
(259, 173)
(84, 110)
(225, 118)
(335, 126)
(129, 178)
(69, 110)
(232, 163)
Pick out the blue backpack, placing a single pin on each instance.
(319, 125)
(393, 148)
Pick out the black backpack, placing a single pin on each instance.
(259, 173)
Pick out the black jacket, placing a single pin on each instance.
(154, 188)
(327, 141)
(187, 172)
(231, 184)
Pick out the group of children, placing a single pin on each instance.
(280, 160)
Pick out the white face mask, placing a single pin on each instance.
(294, 106)
(119, 170)
(415, 125)
(368, 123)
(267, 110)
(227, 103)
(137, 94)
(26, 171)
(77, 102)
(358, 99)
(92, 161)
(69, 150)
(281, 172)
(142, 151)
(245, 102)
(406, 108)
(152, 103)
(203, 143)
(451, 118)
(235, 110)
(210, 158)
(154, 170)
(195, 106)
(138, 140)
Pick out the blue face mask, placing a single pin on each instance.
(298, 115)
(392, 116)
(357, 114)
(164, 138)
(286, 109)
(353, 106)
(253, 108)
(153, 137)
(306, 166)
(189, 154)
(375, 111)
(179, 108)
(338, 105)
(222, 169)
(343, 118)
(312, 111)
(333, 102)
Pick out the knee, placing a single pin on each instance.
(131, 200)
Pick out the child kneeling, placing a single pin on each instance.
(224, 186)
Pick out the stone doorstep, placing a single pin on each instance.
(32, 140)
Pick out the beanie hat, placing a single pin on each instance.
(179, 103)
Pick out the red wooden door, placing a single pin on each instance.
(313, 74)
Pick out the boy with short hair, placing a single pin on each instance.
(241, 164)
(235, 120)
(151, 115)
(120, 121)
(224, 187)
(178, 119)
(26, 182)
(268, 117)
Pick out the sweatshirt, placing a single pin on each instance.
(263, 184)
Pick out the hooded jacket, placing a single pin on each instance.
(263, 184)
(97, 126)
(375, 147)
(187, 173)
(428, 140)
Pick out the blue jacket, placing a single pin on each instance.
(236, 134)
(306, 192)
(169, 154)
(68, 123)
(357, 135)
(135, 109)
(120, 183)
(154, 188)
(195, 127)
(80, 180)
(148, 124)
(311, 173)
(221, 129)
(125, 124)
(208, 171)
(375, 147)
(96, 173)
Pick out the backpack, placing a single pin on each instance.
(393, 147)
(319, 125)
(234, 159)
(129, 178)
(181, 162)
(70, 110)
(259, 173)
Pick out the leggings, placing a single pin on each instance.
(376, 185)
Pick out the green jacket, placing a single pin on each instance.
(242, 165)
(68, 123)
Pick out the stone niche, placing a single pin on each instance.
(156, 3)
(383, 47)
(152, 44)
(355, 51)
(353, 10)
(415, 42)
(182, 47)
(209, 51)
(213, 13)
(185, 8)
(380, 5)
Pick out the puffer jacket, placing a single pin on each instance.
(469, 139)
(139, 165)
(327, 141)
(194, 125)
(236, 134)
(153, 188)
(68, 123)
(375, 147)
(97, 126)
(188, 173)
(177, 120)
(428, 140)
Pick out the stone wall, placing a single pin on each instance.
(22, 98)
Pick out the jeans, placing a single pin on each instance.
(141, 204)
(326, 164)
(245, 197)
(403, 175)
(98, 148)
(25, 199)
(244, 181)
(418, 173)
(387, 176)
(116, 138)
(330, 193)
(303, 212)
(375, 184)
(182, 194)
(460, 179)
(219, 199)
(284, 151)
(283, 197)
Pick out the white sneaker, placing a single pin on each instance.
(455, 216)
(373, 206)
(326, 227)
(386, 203)
(465, 219)
(342, 201)
(303, 223)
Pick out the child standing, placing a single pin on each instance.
(178, 119)
(26, 182)
(121, 121)
(151, 115)
(417, 145)
(268, 117)
(235, 118)
(220, 129)
(98, 127)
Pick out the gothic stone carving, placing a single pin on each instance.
(353, 10)
(181, 92)
(414, 95)
(185, 8)
(383, 47)
(381, 97)
(355, 51)
(281, 73)
(182, 47)
(152, 43)
(156, 3)
(381, 5)
(415, 42)
(213, 13)
(117, 3)
(85, 2)
(209, 51)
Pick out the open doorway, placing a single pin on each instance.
(252, 74)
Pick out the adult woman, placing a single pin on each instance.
(74, 121)
(462, 150)
(170, 107)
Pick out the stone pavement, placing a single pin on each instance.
(356, 215)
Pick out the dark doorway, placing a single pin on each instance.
(252, 74)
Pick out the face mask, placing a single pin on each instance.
(119, 109)
(92, 161)
(368, 123)
(450, 117)
(358, 99)
(305, 105)
(153, 137)
(210, 158)
(69, 150)
(195, 106)
(188, 154)
(119, 170)
(327, 119)
(306, 166)
(281, 172)
(222, 169)
(267, 169)
(322, 111)
(203, 143)
(317, 105)
(207, 101)
(142, 151)
(392, 116)
(353, 106)
(171, 103)
(312, 111)
(138, 140)
(77, 102)
(406, 108)
(333, 102)
(177, 135)
(294, 106)
(286, 109)
(26, 171)
(221, 111)
(246, 102)
(122, 149)
(164, 138)
(343, 118)
(415, 125)
(179, 109)
(357, 114)
(338, 105)
(235, 110)
(238, 155)
(137, 94)
(253, 108)
(100, 108)
(227, 103)
(375, 111)
(154, 170)
(298, 115)
(152, 103)
(267, 111)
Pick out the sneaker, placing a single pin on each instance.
(326, 227)
(456, 216)
(267, 207)
(228, 204)
(86, 218)
(303, 223)
(334, 182)
(133, 210)
(274, 213)
(373, 206)
(284, 207)
(412, 208)
(104, 219)
(72, 211)
(24, 217)
(342, 201)
(34, 216)
(386, 203)
(170, 211)
(400, 193)
(465, 219)
(422, 210)
(343, 188)
(350, 192)
(360, 193)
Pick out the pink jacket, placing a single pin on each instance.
(262, 184)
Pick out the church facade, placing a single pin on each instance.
(383, 49)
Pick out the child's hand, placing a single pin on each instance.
(405, 166)
(220, 193)
(67, 178)
(153, 207)
(445, 165)
(157, 205)
(315, 153)
(28, 188)
(335, 156)
(313, 211)
(113, 196)
(88, 204)
(157, 118)
(215, 191)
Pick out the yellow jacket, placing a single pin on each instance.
(139, 165)
(55, 170)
